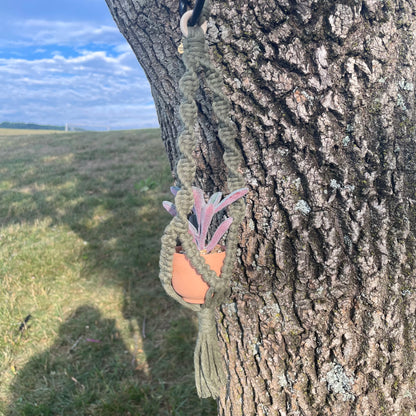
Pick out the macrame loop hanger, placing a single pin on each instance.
(185, 20)
(209, 372)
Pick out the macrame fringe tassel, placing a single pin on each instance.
(209, 372)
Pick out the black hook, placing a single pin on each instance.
(199, 5)
(183, 6)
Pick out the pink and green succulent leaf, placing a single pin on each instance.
(194, 232)
(199, 202)
(219, 232)
(207, 213)
(204, 213)
(174, 190)
(215, 198)
(231, 198)
(169, 207)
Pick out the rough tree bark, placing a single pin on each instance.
(322, 316)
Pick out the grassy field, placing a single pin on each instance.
(80, 225)
(24, 132)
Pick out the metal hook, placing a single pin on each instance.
(199, 5)
(183, 6)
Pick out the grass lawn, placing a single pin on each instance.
(80, 226)
(21, 132)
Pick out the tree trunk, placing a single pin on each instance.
(322, 316)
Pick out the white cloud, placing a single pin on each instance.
(122, 48)
(74, 70)
(39, 32)
(91, 89)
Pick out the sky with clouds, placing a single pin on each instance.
(66, 62)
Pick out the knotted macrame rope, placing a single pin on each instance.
(209, 372)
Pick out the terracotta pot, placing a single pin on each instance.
(187, 282)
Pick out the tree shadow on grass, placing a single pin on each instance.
(87, 185)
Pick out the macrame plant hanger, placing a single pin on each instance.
(209, 371)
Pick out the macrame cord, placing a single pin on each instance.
(209, 372)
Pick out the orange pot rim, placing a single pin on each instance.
(178, 250)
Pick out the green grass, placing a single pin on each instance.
(20, 132)
(80, 226)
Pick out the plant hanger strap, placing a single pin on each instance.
(209, 373)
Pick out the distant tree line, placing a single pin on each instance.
(31, 126)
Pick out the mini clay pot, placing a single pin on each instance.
(187, 282)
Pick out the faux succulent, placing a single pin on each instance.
(203, 214)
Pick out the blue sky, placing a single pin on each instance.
(65, 61)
